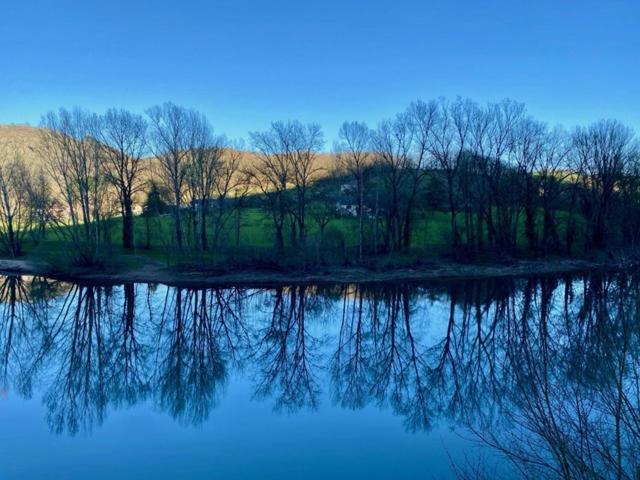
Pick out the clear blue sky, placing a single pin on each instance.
(245, 63)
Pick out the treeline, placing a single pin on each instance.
(506, 181)
(499, 174)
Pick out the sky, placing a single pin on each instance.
(247, 63)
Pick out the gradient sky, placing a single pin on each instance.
(245, 63)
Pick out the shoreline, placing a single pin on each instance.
(439, 271)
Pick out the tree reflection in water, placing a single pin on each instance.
(285, 353)
(199, 332)
(546, 372)
(379, 357)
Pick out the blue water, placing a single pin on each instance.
(241, 439)
(371, 382)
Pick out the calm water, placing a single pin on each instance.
(472, 379)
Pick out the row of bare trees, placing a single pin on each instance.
(99, 165)
(196, 166)
(286, 158)
(504, 179)
(498, 172)
(26, 200)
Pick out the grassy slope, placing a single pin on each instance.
(430, 242)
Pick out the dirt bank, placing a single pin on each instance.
(157, 273)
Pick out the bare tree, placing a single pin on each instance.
(392, 144)
(603, 151)
(124, 136)
(42, 204)
(14, 213)
(554, 174)
(474, 181)
(307, 140)
(526, 152)
(229, 181)
(204, 165)
(493, 133)
(74, 159)
(444, 129)
(270, 175)
(420, 118)
(286, 158)
(355, 156)
(176, 133)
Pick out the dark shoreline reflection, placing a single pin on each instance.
(544, 371)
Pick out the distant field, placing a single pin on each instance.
(431, 240)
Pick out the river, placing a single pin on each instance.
(505, 378)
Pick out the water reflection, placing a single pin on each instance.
(544, 371)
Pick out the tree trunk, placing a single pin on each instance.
(279, 238)
(360, 219)
(294, 231)
(530, 228)
(203, 227)
(178, 224)
(127, 224)
(11, 241)
(530, 217)
(375, 228)
(237, 226)
(146, 220)
(550, 233)
(570, 231)
(408, 225)
(480, 228)
(452, 210)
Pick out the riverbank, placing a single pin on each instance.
(153, 272)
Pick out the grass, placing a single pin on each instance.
(430, 241)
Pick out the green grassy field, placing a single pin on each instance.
(431, 240)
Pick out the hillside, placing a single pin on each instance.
(22, 139)
(27, 141)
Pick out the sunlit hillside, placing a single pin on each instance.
(26, 141)
(22, 139)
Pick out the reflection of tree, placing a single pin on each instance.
(545, 371)
(77, 397)
(100, 349)
(94, 354)
(285, 355)
(399, 368)
(378, 357)
(129, 373)
(23, 303)
(226, 308)
(476, 335)
(351, 364)
(572, 404)
(190, 368)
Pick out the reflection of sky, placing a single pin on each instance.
(243, 437)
